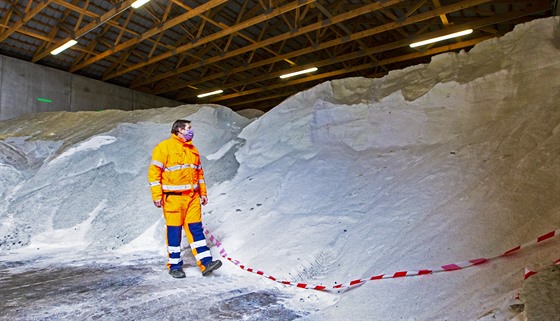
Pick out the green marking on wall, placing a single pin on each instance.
(44, 100)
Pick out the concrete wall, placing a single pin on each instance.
(30, 88)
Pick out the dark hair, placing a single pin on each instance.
(179, 124)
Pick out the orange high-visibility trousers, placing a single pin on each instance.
(182, 211)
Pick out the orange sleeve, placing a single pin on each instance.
(201, 182)
(154, 173)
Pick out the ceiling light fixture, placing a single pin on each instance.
(139, 3)
(65, 46)
(452, 35)
(299, 72)
(215, 92)
(136, 4)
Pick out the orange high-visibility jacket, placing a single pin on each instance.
(175, 167)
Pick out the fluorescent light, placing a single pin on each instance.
(137, 4)
(299, 72)
(453, 35)
(215, 92)
(63, 47)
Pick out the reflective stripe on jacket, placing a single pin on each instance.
(175, 167)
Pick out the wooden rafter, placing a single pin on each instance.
(29, 14)
(90, 26)
(150, 33)
(217, 35)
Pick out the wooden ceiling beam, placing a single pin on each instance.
(90, 26)
(97, 38)
(47, 40)
(76, 8)
(215, 36)
(276, 39)
(120, 60)
(29, 33)
(443, 17)
(91, 46)
(414, 8)
(239, 34)
(367, 33)
(150, 33)
(362, 45)
(29, 14)
(122, 31)
(6, 18)
(82, 14)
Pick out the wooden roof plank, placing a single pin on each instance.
(29, 14)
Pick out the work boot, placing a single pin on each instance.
(178, 274)
(214, 265)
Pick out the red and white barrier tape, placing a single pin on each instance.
(443, 268)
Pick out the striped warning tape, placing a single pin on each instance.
(443, 268)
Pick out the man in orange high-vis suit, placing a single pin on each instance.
(177, 185)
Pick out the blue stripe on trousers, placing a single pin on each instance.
(174, 236)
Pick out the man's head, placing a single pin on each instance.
(183, 129)
(180, 124)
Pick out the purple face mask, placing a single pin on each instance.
(188, 135)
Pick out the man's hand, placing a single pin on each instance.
(203, 200)
(158, 203)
